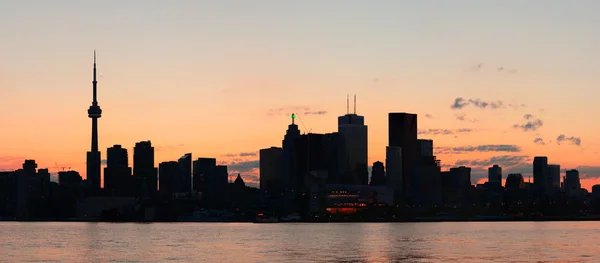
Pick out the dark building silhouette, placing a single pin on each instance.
(216, 186)
(572, 183)
(117, 174)
(378, 174)
(93, 156)
(355, 133)
(514, 181)
(540, 175)
(425, 147)
(461, 176)
(270, 169)
(69, 178)
(403, 134)
(144, 172)
(170, 178)
(554, 176)
(495, 175)
(202, 167)
(288, 157)
(185, 162)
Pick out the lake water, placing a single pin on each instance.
(328, 242)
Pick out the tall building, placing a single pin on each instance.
(461, 176)
(540, 175)
(170, 175)
(514, 181)
(270, 169)
(117, 174)
(186, 168)
(394, 176)
(495, 175)
(144, 170)
(403, 134)
(554, 175)
(378, 174)
(288, 155)
(93, 156)
(572, 183)
(426, 147)
(202, 169)
(355, 133)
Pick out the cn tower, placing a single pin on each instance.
(93, 156)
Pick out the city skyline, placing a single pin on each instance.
(169, 97)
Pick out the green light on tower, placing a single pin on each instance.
(293, 117)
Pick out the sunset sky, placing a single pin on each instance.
(218, 78)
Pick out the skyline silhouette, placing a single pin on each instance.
(482, 102)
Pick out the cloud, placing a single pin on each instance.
(478, 148)
(509, 163)
(443, 131)
(241, 154)
(460, 103)
(588, 171)
(531, 123)
(243, 166)
(539, 141)
(463, 117)
(477, 67)
(295, 109)
(573, 140)
(428, 116)
(167, 147)
(321, 112)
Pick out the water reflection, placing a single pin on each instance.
(368, 243)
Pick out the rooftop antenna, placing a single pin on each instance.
(293, 118)
(354, 104)
(347, 104)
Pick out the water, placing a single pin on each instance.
(351, 242)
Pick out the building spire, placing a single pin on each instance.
(94, 82)
(347, 104)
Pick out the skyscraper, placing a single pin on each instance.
(554, 176)
(377, 174)
(270, 169)
(393, 165)
(572, 183)
(288, 155)
(143, 167)
(186, 167)
(403, 134)
(117, 174)
(352, 127)
(425, 147)
(202, 171)
(495, 175)
(540, 175)
(93, 156)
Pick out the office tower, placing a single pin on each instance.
(514, 181)
(572, 183)
(93, 156)
(270, 169)
(554, 176)
(170, 178)
(117, 173)
(69, 178)
(540, 175)
(288, 158)
(216, 186)
(461, 176)
(495, 175)
(403, 134)
(202, 167)
(144, 172)
(393, 165)
(186, 168)
(355, 133)
(426, 147)
(378, 174)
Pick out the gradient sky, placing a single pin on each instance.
(217, 78)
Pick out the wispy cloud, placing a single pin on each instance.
(539, 141)
(428, 116)
(503, 160)
(443, 131)
(531, 123)
(241, 154)
(463, 117)
(243, 166)
(478, 148)
(572, 139)
(460, 103)
(295, 109)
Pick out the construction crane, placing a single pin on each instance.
(303, 126)
(63, 168)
